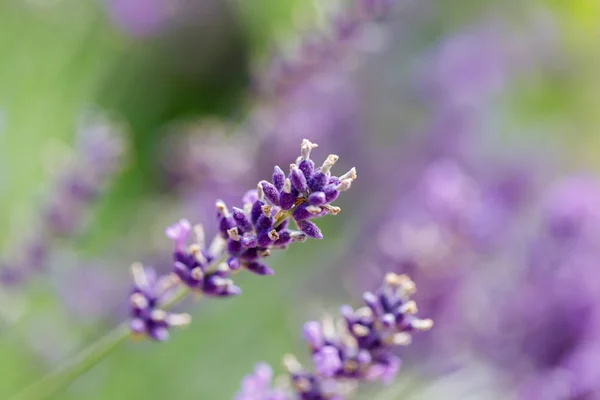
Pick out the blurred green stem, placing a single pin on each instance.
(86, 359)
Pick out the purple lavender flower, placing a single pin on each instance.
(318, 51)
(245, 236)
(192, 263)
(147, 296)
(359, 347)
(248, 234)
(258, 386)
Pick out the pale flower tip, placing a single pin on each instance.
(222, 208)
(402, 339)
(179, 319)
(423, 324)
(290, 363)
(350, 175)
(139, 274)
(233, 234)
(306, 147)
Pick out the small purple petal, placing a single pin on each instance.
(301, 213)
(249, 240)
(310, 229)
(234, 247)
(159, 333)
(298, 180)
(256, 211)
(271, 192)
(278, 178)
(241, 220)
(250, 197)
(225, 223)
(138, 326)
(307, 167)
(327, 361)
(331, 194)
(264, 223)
(317, 199)
(233, 263)
(287, 200)
(179, 233)
(285, 238)
(312, 334)
(259, 268)
(264, 238)
(318, 181)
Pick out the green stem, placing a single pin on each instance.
(283, 216)
(86, 359)
(76, 366)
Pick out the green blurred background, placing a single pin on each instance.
(60, 57)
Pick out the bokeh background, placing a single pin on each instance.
(473, 125)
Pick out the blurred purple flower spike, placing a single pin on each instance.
(358, 347)
(98, 156)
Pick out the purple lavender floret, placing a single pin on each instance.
(147, 296)
(258, 386)
(193, 264)
(357, 348)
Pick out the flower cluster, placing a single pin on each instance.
(147, 295)
(358, 347)
(248, 234)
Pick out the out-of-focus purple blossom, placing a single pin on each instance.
(317, 52)
(90, 292)
(468, 67)
(139, 18)
(100, 149)
(356, 348)
(147, 297)
(258, 386)
(307, 92)
(571, 210)
(98, 156)
(546, 317)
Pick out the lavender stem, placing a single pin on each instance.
(86, 359)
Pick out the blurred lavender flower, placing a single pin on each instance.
(82, 178)
(246, 235)
(546, 318)
(139, 18)
(356, 348)
(306, 92)
(100, 149)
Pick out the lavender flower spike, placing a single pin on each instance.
(245, 236)
(356, 348)
(147, 318)
(249, 233)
